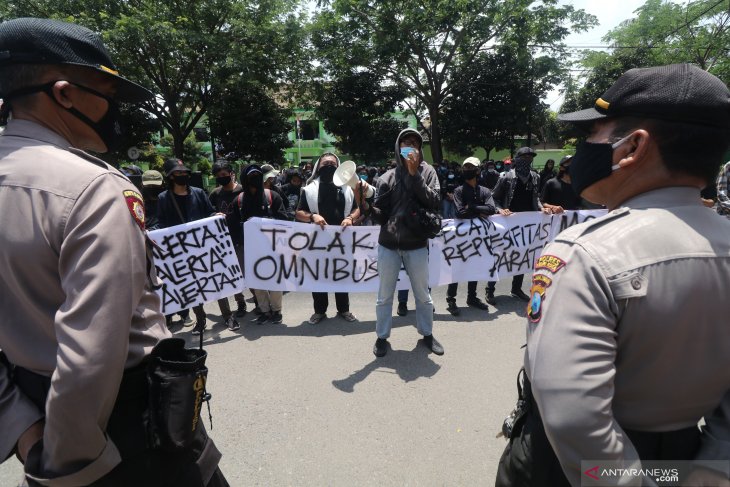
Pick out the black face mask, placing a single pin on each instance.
(591, 163)
(326, 173)
(222, 181)
(108, 128)
(256, 181)
(181, 180)
(470, 174)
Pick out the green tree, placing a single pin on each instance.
(179, 49)
(357, 108)
(249, 125)
(424, 47)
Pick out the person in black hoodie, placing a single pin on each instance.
(292, 190)
(323, 203)
(411, 185)
(255, 201)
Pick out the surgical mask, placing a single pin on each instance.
(108, 128)
(450, 176)
(181, 180)
(591, 163)
(222, 181)
(326, 173)
(363, 177)
(405, 151)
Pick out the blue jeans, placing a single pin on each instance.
(416, 264)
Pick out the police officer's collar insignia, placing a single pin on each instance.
(136, 206)
(551, 263)
(540, 283)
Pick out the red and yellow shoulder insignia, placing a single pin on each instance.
(540, 283)
(550, 262)
(136, 206)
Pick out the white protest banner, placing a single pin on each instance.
(196, 263)
(290, 256)
(496, 247)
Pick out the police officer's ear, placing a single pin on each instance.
(634, 150)
(60, 91)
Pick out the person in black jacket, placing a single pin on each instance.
(180, 204)
(558, 193)
(472, 201)
(401, 192)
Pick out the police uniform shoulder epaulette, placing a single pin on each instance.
(88, 157)
(582, 229)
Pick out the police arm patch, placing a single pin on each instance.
(136, 207)
(550, 262)
(540, 283)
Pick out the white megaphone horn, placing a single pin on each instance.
(346, 174)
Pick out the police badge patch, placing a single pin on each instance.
(537, 296)
(136, 206)
(550, 262)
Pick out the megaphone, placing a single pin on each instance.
(346, 174)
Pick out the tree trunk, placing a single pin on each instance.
(436, 150)
(178, 143)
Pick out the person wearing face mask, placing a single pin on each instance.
(261, 202)
(323, 203)
(471, 201)
(448, 186)
(292, 191)
(402, 191)
(182, 203)
(223, 198)
(628, 346)
(80, 317)
(558, 194)
(489, 176)
(518, 190)
(152, 185)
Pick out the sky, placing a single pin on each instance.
(610, 13)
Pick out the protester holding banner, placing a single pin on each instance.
(323, 203)
(255, 201)
(79, 315)
(472, 201)
(517, 190)
(409, 189)
(558, 193)
(620, 373)
(183, 203)
(223, 199)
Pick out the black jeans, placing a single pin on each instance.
(516, 283)
(454, 286)
(321, 301)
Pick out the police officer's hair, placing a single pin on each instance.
(17, 76)
(688, 148)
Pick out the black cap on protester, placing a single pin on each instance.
(522, 151)
(46, 41)
(678, 92)
(171, 165)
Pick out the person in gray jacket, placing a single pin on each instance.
(401, 191)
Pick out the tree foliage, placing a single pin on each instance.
(356, 108)
(248, 124)
(663, 32)
(425, 47)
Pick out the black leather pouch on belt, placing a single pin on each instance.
(176, 378)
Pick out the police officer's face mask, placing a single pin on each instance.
(591, 163)
(108, 128)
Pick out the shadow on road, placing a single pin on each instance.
(409, 365)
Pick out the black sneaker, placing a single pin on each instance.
(519, 294)
(402, 309)
(475, 302)
(381, 347)
(276, 317)
(199, 328)
(490, 298)
(452, 308)
(257, 311)
(232, 324)
(241, 311)
(263, 318)
(433, 345)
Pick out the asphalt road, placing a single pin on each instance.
(296, 404)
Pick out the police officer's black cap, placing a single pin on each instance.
(678, 92)
(46, 41)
